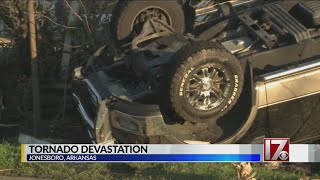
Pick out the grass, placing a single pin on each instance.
(10, 159)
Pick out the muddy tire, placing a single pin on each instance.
(204, 82)
(128, 17)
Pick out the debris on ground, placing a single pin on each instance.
(244, 171)
(6, 170)
(273, 165)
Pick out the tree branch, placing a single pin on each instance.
(67, 27)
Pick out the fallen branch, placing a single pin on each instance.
(5, 170)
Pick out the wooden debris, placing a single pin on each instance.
(244, 171)
(273, 165)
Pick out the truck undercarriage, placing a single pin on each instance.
(204, 86)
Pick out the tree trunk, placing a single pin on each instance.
(37, 126)
(67, 50)
(65, 62)
(60, 11)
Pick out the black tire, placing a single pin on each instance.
(126, 12)
(222, 77)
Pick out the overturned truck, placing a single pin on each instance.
(229, 72)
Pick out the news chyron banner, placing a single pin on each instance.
(273, 149)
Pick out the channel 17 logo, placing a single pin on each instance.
(276, 149)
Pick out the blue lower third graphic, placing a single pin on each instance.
(145, 157)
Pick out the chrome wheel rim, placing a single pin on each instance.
(207, 87)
